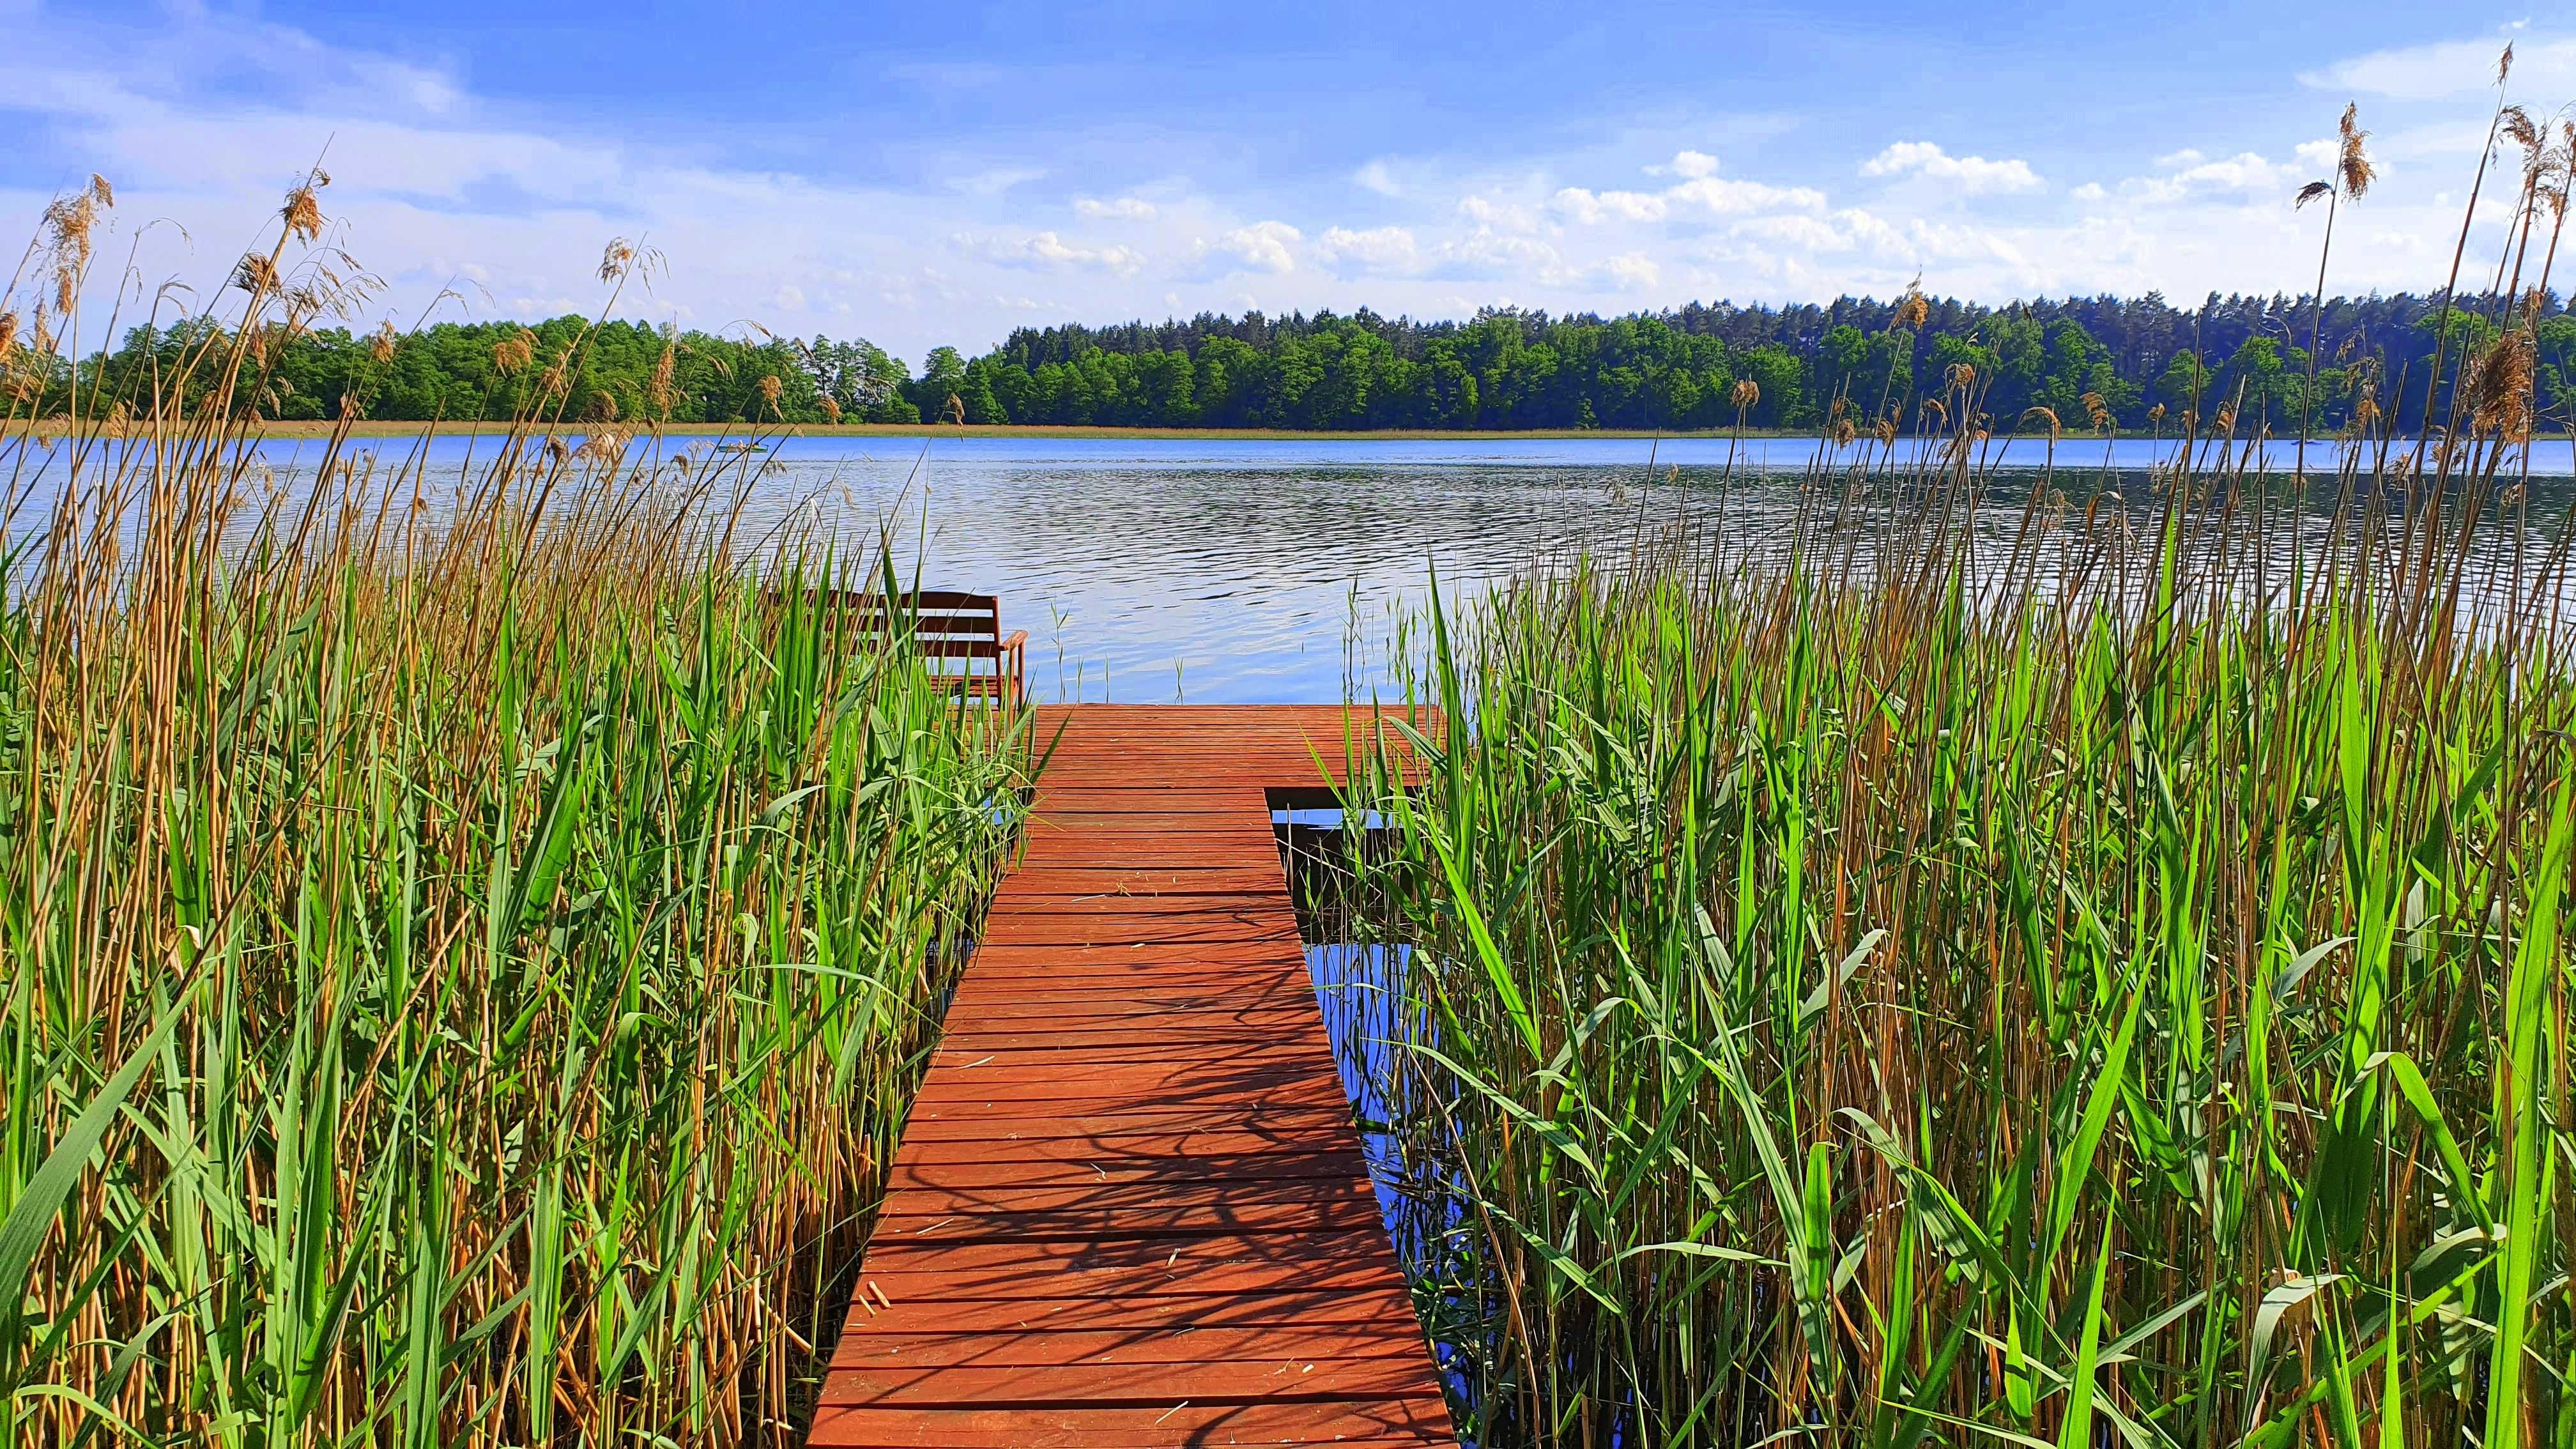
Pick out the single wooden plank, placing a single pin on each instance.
(932, 1127)
(1092, 1038)
(999, 1076)
(1279, 1005)
(1025, 1074)
(1149, 1056)
(1178, 1278)
(1039, 883)
(1289, 955)
(973, 1103)
(1015, 1223)
(1360, 1425)
(1137, 926)
(1140, 1146)
(1004, 1001)
(1267, 1344)
(952, 1385)
(1159, 906)
(1036, 1310)
(1130, 1207)
(1078, 1171)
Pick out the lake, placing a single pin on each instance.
(1231, 572)
(1265, 571)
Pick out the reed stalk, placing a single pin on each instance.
(464, 952)
(1961, 970)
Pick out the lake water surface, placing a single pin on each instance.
(1266, 571)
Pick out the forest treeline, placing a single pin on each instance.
(2092, 361)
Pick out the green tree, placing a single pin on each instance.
(1777, 371)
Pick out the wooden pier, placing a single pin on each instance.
(1130, 1207)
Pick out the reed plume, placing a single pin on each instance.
(514, 352)
(411, 1058)
(2353, 174)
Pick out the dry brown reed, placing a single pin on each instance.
(463, 949)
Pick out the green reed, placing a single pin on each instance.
(463, 961)
(1896, 995)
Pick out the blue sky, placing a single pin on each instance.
(926, 174)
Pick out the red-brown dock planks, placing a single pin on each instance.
(1130, 1208)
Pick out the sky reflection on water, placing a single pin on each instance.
(1265, 571)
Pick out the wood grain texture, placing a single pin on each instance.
(1130, 1207)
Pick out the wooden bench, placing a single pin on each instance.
(958, 635)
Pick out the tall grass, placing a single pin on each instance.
(463, 954)
(1952, 968)
(1876, 993)
(1956, 967)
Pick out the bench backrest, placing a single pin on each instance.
(945, 624)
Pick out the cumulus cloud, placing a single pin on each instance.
(1716, 195)
(1504, 215)
(1384, 250)
(1807, 233)
(1262, 246)
(1631, 271)
(1485, 254)
(2190, 174)
(1593, 207)
(1376, 177)
(1048, 252)
(1897, 242)
(1686, 163)
(1124, 208)
(1974, 175)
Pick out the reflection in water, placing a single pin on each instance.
(1274, 580)
(1422, 1197)
(1272, 571)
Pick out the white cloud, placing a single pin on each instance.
(1376, 177)
(2451, 68)
(1593, 207)
(1505, 215)
(1633, 271)
(1728, 198)
(1124, 208)
(1901, 242)
(1262, 246)
(1486, 254)
(1974, 175)
(2090, 191)
(788, 298)
(1716, 195)
(1048, 252)
(1804, 232)
(1692, 164)
(2190, 174)
(1384, 250)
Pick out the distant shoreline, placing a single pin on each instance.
(746, 432)
(301, 431)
